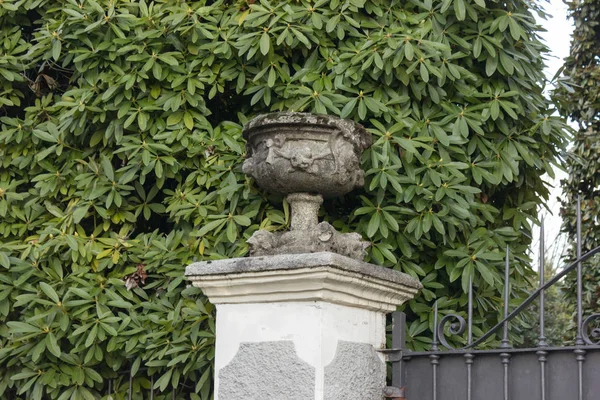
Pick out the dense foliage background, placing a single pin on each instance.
(121, 150)
(578, 98)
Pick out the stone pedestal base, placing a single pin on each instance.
(299, 350)
(300, 327)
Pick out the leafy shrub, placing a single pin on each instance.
(121, 150)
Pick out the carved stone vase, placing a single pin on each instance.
(306, 157)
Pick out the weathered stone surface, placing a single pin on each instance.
(356, 373)
(321, 239)
(267, 371)
(290, 262)
(305, 210)
(298, 152)
(329, 281)
(306, 234)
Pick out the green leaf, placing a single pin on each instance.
(272, 77)
(174, 118)
(79, 213)
(142, 120)
(231, 232)
(129, 120)
(188, 120)
(52, 344)
(391, 222)
(515, 29)
(485, 273)
(409, 51)
(332, 23)
(109, 92)
(438, 225)
(406, 144)
(107, 168)
(467, 189)
(362, 109)
(4, 260)
(265, 43)
(455, 274)
(349, 107)
(23, 375)
(459, 9)
(441, 135)
(91, 337)
(242, 220)
(374, 223)
(213, 225)
(50, 292)
(168, 59)
(490, 65)
(22, 327)
(424, 72)
(301, 37)
(56, 48)
(163, 382)
(467, 273)
(44, 136)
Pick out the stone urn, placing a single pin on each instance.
(306, 157)
(299, 152)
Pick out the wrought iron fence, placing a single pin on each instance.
(504, 373)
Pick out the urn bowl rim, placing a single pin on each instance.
(353, 131)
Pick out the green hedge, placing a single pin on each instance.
(121, 150)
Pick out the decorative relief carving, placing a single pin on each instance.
(296, 152)
(323, 237)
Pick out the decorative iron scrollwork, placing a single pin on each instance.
(456, 328)
(590, 334)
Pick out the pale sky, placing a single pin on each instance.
(558, 38)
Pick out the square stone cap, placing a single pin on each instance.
(290, 262)
(325, 277)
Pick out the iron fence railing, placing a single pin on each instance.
(543, 372)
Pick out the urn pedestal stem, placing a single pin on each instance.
(304, 210)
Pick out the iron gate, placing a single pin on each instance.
(504, 373)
